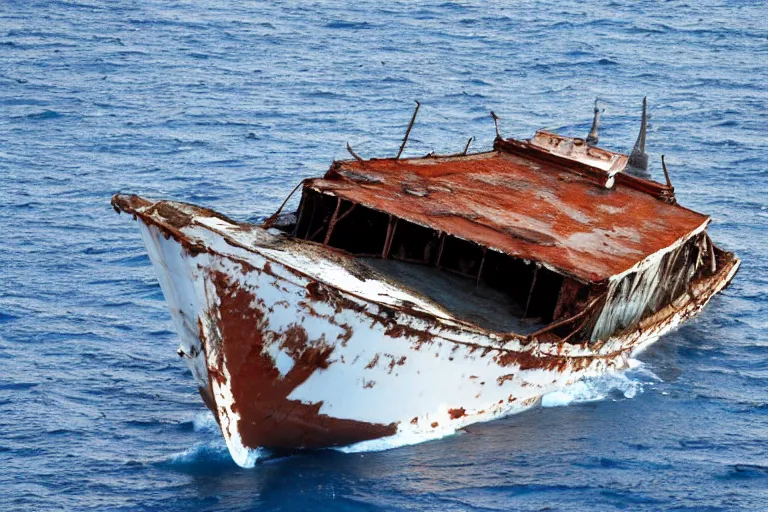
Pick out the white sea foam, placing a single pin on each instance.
(205, 422)
(627, 384)
(403, 438)
(216, 447)
(199, 452)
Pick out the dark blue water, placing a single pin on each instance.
(229, 106)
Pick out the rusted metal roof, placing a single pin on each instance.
(525, 201)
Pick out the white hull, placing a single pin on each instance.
(358, 357)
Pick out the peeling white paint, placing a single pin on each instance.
(372, 376)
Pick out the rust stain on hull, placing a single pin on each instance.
(287, 327)
(267, 417)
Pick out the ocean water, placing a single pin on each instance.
(229, 104)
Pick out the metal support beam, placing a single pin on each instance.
(391, 228)
(301, 216)
(271, 220)
(530, 291)
(408, 131)
(480, 270)
(466, 148)
(440, 251)
(496, 124)
(311, 218)
(332, 223)
(355, 155)
(666, 173)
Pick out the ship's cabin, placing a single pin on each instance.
(514, 241)
(486, 287)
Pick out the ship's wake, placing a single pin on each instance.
(613, 386)
(213, 452)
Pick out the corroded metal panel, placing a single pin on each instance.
(550, 211)
(578, 150)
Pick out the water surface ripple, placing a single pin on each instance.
(229, 104)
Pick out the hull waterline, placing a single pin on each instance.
(294, 346)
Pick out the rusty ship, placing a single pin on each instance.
(406, 298)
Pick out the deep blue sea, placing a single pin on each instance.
(230, 104)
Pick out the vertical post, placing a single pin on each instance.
(496, 124)
(312, 217)
(666, 173)
(480, 270)
(386, 238)
(440, 251)
(391, 238)
(391, 228)
(301, 216)
(530, 290)
(408, 131)
(332, 223)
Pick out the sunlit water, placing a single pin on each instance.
(229, 106)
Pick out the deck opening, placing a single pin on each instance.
(543, 294)
(361, 231)
(508, 274)
(461, 257)
(414, 243)
(492, 289)
(495, 290)
(314, 216)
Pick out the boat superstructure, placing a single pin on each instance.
(407, 298)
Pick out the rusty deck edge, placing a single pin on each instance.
(710, 286)
(139, 206)
(310, 184)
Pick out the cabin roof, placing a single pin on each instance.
(525, 202)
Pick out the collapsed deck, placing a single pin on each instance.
(553, 223)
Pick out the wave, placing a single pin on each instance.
(210, 455)
(627, 384)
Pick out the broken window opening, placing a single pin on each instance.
(414, 243)
(487, 287)
(360, 231)
(544, 294)
(314, 213)
(461, 257)
(512, 275)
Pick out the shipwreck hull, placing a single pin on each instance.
(296, 346)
